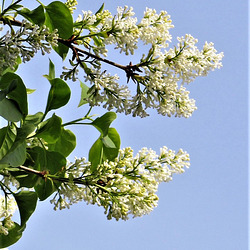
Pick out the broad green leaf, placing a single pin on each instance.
(7, 138)
(9, 110)
(111, 145)
(96, 154)
(18, 94)
(65, 143)
(45, 160)
(41, 160)
(15, 233)
(35, 16)
(102, 123)
(26, 201)
(50, 129)
(17, 154)
(84, 94)
(58, 17)
(59, 94)
(55, 162)
(44, 188)
(34, 119)
(31, 122)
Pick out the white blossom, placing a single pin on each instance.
(71, 5)
(162, 73)
(24, 43)
(7, 208)
(154, 28)
(125, 186)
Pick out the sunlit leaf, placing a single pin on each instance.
(58, 17)
(35, 16)
(65, 143)
(95, 154)
(59, 94)
(50, 129)
(102, 123)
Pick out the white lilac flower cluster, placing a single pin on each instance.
(71, 5)
(126, 186)
(24, 43)
(160, 84)
(123, 30)
(107, 90)
(7, 208)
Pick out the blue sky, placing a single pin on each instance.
(206, 207)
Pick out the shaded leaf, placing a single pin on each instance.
(9, 110)
(26, 201)
(18, 94)
(17, 154)
(7, 138)
(44, 188)
(15, 233)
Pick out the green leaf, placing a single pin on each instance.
(55, 162)
(96, 154)
(41, 160)
(65, 143)
(84, 94)
(25, 179)
(58, 17)
(102, 123)
(17, 154)
(44, 188)
(7, 138)
(15, 233)
(26, 201)
(51, 74)
(35, 16)
(45, 160)
(18, 94)
(111, 145)
(34, 119)
(51, 70)
(30, 123)
(9, 110)
(100, 9)
(50, 130)
(59, 94)
(30, 91)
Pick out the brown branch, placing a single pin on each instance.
(130, 69)
(33, 171)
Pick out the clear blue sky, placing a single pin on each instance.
(203, 209)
